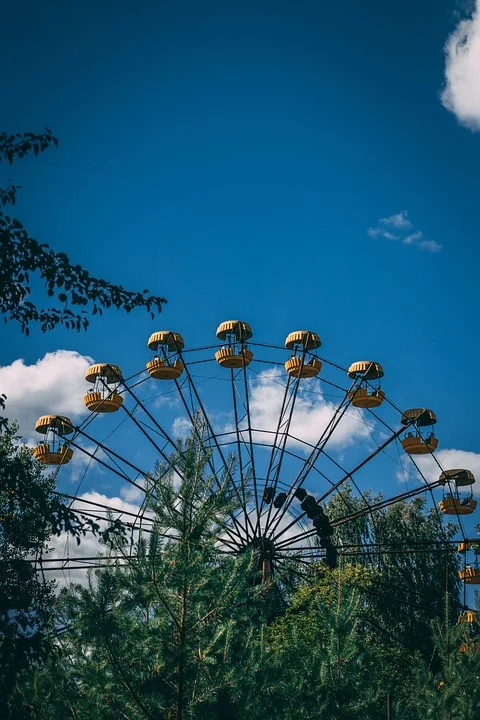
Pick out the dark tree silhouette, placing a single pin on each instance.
(21, 256)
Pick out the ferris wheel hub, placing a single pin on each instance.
(264, 545)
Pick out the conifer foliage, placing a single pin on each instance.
(159, 633)
(178, 626)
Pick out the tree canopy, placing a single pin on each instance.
(75, 292)
(177, 626)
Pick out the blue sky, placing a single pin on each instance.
(233, 156)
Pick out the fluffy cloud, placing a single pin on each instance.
(399, 221)
(311, 415)
(399, 227)
(132, 494)
(54, 384)
(181, 428)
(461, 94)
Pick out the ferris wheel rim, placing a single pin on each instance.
(283, 435)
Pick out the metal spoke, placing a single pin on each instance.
(282, 535)
(314, 455)
(240, 530)
(365, 511)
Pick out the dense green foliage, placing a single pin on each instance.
(423, 577)
(25, 603)
(30, 514)
(181, 628)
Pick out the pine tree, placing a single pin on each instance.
(414, 557)
(30, 513)
(452, 690)
(325, 652)
(157, 637)
(182, 628)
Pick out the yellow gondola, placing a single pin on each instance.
(366, 395)
(470, 575)
(468, 647)
(170, 366)
(302, 363)
(235, 354)
(454, 503)
(103, 397)
(414, 443)
(468, 616)
(470, 619)
(466, 545)
(51, 450)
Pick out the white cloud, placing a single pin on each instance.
(132, 494)
(311, 414)
(55, 384)
(429, 245)
(461, 94)
(404, 231)
(398, 220)
(181, 428)
(167, 399)
(111, 502)
(412, 238)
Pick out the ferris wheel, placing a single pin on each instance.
(302, 429)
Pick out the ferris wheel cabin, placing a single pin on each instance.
(103, 397)
(467, 545)
(471, 622)
(235, 353)
(301, 342)
(366, 394)
(166, 364)
(416, 440)
(470, 575)
(53, 449)
(454, 503)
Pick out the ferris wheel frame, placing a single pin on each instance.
(251, 491)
